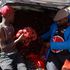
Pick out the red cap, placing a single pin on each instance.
(5, 10)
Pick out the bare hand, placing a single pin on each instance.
(47, 44)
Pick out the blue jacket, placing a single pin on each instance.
(58, 45)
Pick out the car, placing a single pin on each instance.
(37, 14)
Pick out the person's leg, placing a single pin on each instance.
(6, 62)
(51, 66)
(52, 62)
(21, 66)
(64, 58)
(6, 65)
(20, 62)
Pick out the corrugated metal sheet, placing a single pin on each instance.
(56, 3)
(37, 0)
(44, 1)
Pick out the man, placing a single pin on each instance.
(8, 53)
(59, 40)
(31, 48)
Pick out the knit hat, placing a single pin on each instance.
(61, 14)
(6, 10)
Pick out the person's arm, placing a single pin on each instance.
(15, 41)
(60, 45)
(48, 34)
(45, 36)
(12, 44)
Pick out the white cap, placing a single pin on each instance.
(61, 14)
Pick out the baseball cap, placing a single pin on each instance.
(6, 10)
(61, 14)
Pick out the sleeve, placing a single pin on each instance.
(46, 35)
(2, 34)
(60, 45)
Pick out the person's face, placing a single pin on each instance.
(26, 33)
(10, 17)
(63, 21)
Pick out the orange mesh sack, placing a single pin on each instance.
(66, 65)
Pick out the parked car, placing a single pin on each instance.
(37, 14)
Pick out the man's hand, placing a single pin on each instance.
(47, 44)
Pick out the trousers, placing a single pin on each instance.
(11, 61)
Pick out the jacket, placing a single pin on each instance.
(58, 45)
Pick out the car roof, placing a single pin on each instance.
(47, 3)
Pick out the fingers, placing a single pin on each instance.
(19, 33)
